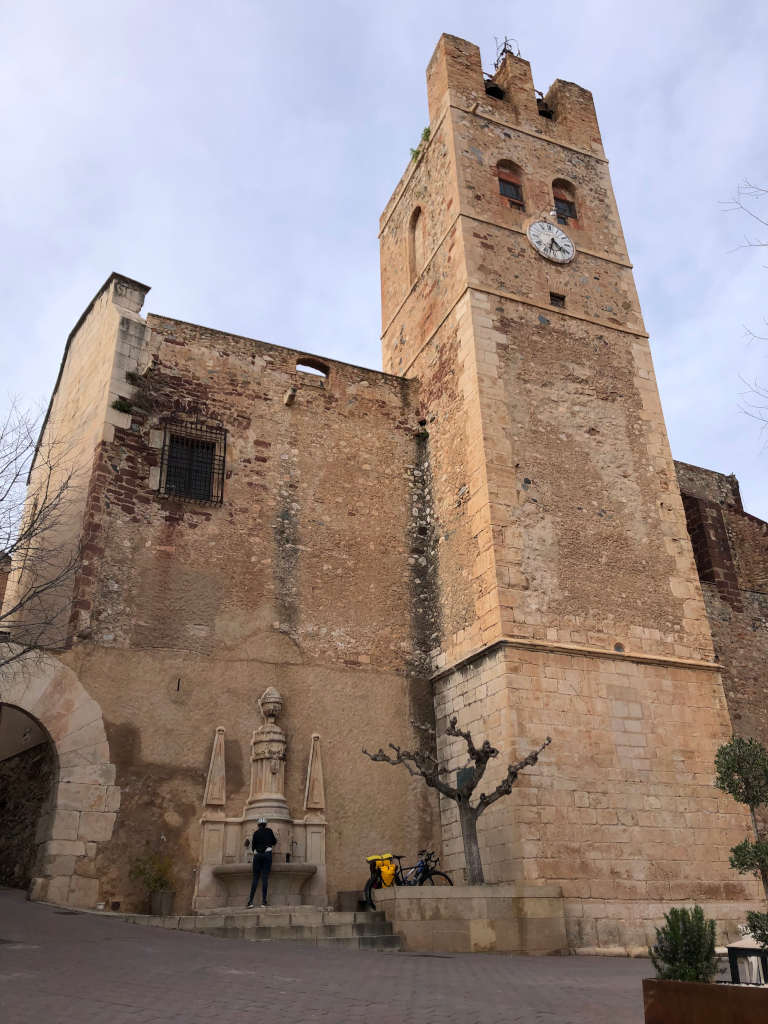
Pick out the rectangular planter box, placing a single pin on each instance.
(691, 1002)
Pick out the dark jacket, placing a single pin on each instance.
(262, 838)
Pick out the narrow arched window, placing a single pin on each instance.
(416, 244)
(564, 196)
(510, 184)
(308, 364)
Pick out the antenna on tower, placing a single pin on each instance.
(507, 46)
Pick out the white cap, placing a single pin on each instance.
(261, 821)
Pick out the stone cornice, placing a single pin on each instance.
(579, 650)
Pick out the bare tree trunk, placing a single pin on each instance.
(468, 820)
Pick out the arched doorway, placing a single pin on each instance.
(28, 775)
(84, 798)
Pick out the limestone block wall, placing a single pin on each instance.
(303, 578)
(620, 811)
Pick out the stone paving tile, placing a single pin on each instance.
(62, 968)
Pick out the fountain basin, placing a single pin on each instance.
(286, 882)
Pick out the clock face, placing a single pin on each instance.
(551, 242)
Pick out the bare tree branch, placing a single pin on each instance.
(478, 759)
(425, 764)
(506, 784)
(38, 559)
(747, 194)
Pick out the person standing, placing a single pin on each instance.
(263, 842)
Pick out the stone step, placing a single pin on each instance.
(351, 936)
(350, 900)
(351, 929)
(308, 933)
(293, 915)
(380, 942)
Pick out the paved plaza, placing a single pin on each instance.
(62, 967)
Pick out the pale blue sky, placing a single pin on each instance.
(236, 156)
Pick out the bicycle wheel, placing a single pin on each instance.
(435, 878)
(370, 885)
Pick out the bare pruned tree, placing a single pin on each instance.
(424, 764)
(746, 201)
(38, 557)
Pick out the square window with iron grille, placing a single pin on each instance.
(557, 300)
(565, 210)
(512, 191)
(192, 465)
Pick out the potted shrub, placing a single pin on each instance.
(685, 962)
(685, 947)
(155, 872)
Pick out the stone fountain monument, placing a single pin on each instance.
(298, 875)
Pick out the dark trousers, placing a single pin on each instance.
(262, 865)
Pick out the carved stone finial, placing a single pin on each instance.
(271, 704)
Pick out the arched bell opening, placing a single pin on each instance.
(28, 782)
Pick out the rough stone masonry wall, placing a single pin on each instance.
(731, 549)
(302, 579)
(620, 810)
(594, 532)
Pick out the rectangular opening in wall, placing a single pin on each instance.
(565, 210)
(557, 300)
(192, 465)
(544, 109)
(512, 192)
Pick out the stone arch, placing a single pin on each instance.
(84, 798)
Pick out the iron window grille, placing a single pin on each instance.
(192, 465)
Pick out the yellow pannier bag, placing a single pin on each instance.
(384, 863)
(387, 869)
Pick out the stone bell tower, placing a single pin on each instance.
(566, 597)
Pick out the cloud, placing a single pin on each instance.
(236, 157)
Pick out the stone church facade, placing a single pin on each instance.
(491, 528)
